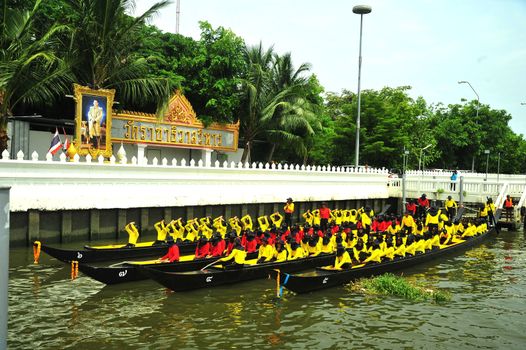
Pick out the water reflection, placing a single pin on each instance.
(487, 310)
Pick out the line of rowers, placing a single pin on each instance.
(356, 236)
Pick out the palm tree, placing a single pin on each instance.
(30, 71)
(272, 106)
(294, 121)
(103, 44)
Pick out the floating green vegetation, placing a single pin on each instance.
(389, 284)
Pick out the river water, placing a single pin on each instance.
(48, 310)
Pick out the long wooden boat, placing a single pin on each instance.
(129, 271)
(215, 276)
(92, 254)
(321, 278)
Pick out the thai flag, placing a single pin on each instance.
(55, 143)
(66, 141)
(66, 145)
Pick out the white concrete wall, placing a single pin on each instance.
(54, 185)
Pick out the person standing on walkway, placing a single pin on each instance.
(289, 210)
(453, 185)
(423, 206)
(325, 214)
(508, 206)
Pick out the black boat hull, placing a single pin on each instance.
(128, 272)
(93, 254)
(325, 279)
(212, 277)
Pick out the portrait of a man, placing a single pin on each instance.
(93, 125)
(93, 121)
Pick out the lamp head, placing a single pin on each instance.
(462, 82)
(362, 9)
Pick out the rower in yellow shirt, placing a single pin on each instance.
(266, 251)
(280, 253)
(343, 259)
(408, 223)
(263, 222)
(309, 217)
(237, 256)
(276, 219)
(296, 251)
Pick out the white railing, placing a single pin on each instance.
(85, 184)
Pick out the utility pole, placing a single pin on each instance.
(4, 263)
(177, 13)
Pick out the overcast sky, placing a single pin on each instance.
(427, 44)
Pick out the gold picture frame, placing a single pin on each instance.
(93, 121)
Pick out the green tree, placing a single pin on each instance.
(102, 51)
(30, 71)
(274, 107)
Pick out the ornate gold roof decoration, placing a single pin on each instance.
(180, 111)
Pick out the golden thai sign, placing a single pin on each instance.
(179, 128)
(93, 121)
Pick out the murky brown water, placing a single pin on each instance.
(488, 283)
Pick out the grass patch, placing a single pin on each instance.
(389, 284)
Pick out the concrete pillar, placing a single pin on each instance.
(121, 223)
(208, 211)
(144, 221)
(167, 216)
(261, 209)
(244, 210)
(228, 212)
(189, 213)
(33, 225)
(94, 224)
(275, 208)
(4, 264)
(206, 156)
(141, 150)
(66, 227)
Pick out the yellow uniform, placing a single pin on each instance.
(376, 256)
(345, 258)
(276, 219)
(266, 252)
(297, 254)
(238, 255)
(263, 223)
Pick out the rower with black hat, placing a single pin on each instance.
(202, 249)
(343, 259)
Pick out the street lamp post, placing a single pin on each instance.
(498, 169)
(404, 165)
(420, 158)
(476, 118)
(487, 162)
(360, 10)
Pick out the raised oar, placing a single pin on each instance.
(212, 263)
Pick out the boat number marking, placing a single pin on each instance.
(123, 273)
(325, 280)
(79, 255)
(209, 279)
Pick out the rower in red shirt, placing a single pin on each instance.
(231, 242)
(172, 255)
(218, 247)
(250, 243)
(202, 249)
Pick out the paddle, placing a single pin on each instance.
(212, 263)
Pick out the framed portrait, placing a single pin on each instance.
(93, 121)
